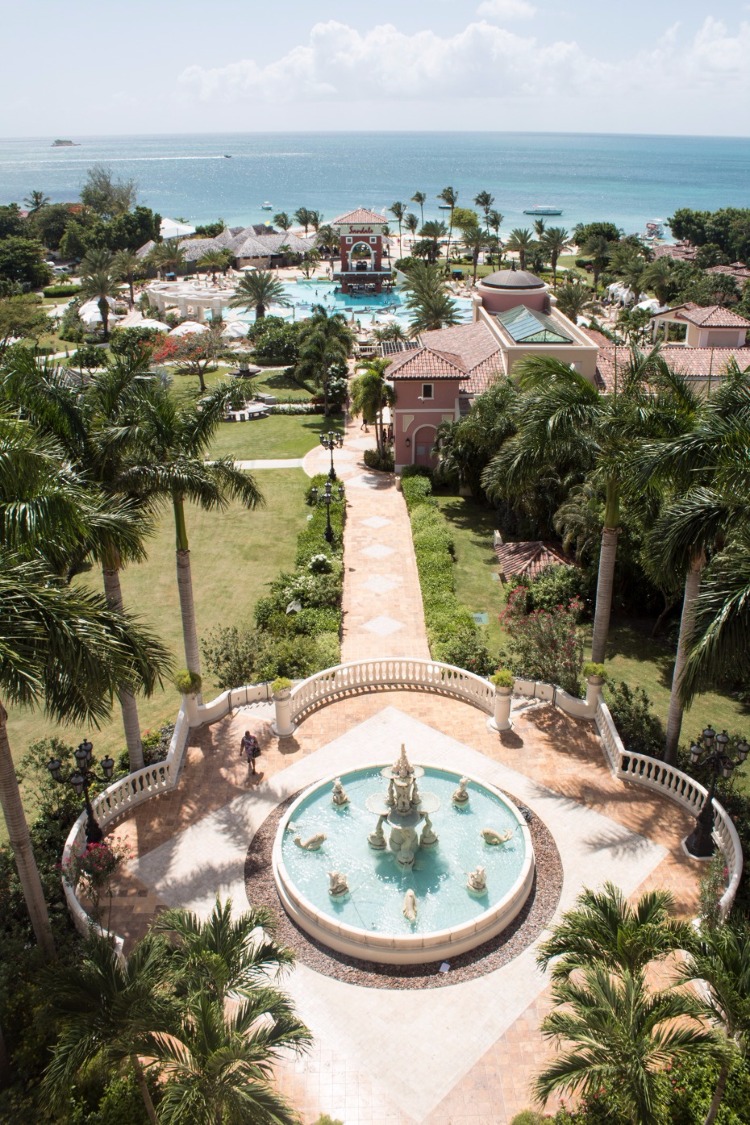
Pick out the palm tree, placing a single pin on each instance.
(720, 960)
(427, 299)
(327, 239)
(398, 210)
(316, 220)
(475, 240)
(420, 198)
(174, 441)
(620, 1038)
(325, 344)
(127, 267)
(468, 445)
(215, 260)
(411, 222)
(604, 928)
(109, 1009)
(484, 200)
(282, 220)
(35, 200)
(98, 259)
(598, 249)
(495, 221)
(310, 260)
(370, 394)
(659, 276)
(573, 299)
(555, 241)
(450, 196)
(167, 256)
(101, 287)
(431, 233)
(258, 290)
(519, 242)
(568, 425)
(303, 216)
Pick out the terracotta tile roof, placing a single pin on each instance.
(528, 558)
(481, 355)
(427, 363)
(692, 363)
(710, 316)
(360, 215)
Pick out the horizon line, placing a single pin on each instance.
(389, 132)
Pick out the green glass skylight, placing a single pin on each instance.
(527, 326)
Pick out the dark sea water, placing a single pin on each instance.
(625, 179)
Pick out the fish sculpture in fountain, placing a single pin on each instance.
(409, 908)
(313, 843)
(490, 836)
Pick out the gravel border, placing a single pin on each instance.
(493, 954)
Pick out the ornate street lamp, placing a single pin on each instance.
(331, 441)
(710, 750)
(81, 778)
(327, 497)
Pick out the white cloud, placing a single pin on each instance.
(506, 10)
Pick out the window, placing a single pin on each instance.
(426, 390)
(348, 242)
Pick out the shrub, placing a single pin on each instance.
(417, 490)
(229, 653)
(592, 669)
(187, 682)
(320, 564)
(557, 585)
(61, 290)
(502, 678)
(87, 357)
(544, 645)
(381, 462)
(281, 683)
(641, 731)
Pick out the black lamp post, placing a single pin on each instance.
(327, 497)
(710, 750)
(331, 441)
(81, 778)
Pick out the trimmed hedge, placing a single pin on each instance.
(453, 635)
(61, 290)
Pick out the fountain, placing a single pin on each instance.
(395, 891)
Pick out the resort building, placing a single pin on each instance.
(257, 246)
(361, 237)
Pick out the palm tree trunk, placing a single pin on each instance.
(20, 842)
(128, 705)
(674, 718)
(140, 1079)
(713, 1109)
(185, 590)
(606, 575)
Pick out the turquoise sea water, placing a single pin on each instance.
(626, 179)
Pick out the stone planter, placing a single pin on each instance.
(282, 725)
(594, 686)
(501, 717)
(190, 707)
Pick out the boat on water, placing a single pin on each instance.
(543, 209)
(227, 156)
(65, 144)
(266, 206)
(444, 207)
(654, 229)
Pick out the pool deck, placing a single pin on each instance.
(464, 1054)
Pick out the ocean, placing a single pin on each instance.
(628, 180)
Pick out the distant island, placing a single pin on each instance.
(65, 144)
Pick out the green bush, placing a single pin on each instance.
(641, 731)
(187, 682)
(381, 462)
(229, 653)
(61, 290)
(417, 490)
(557, 585)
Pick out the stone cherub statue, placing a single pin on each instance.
(338, 794)
(460, 796)
(477, 881)
(337, 884)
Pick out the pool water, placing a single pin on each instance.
(376, 881)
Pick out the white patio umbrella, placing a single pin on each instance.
(89, 312)
(234, 330)
(188, 328)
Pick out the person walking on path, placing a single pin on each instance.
(250, 747)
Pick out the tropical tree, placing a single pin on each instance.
(520, 242)
(35, 200)
(316, 220)
(411, 222)
(555, 241)
(429, 244)
(215, 260)
(195, 353)
(720, 961)
(484, 200)
(310, 260)
(659, 276)
(174, 444)
(327, 240)
(466, 446)
(109, 1009)
(475, 241)
(573, 299)
(420, 198)
(127, 267)
(303, 216)
(325, 344)
(101, 287)
(258, 290)
(398, 210)
(449, 195)
(568, 425)
(97, 259)
(598, 249)
(370, 394)
(282, 220)
(429, 303)
(495, 221)
(167, 256)
(619, 1038)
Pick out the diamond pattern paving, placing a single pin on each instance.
(381, 583)
(377, 551)
(376, 522)
(383, 626)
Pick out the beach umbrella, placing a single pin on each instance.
(234, 330)
(188, 328)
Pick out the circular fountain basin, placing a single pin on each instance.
(368, 923)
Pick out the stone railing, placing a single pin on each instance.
(680, 788)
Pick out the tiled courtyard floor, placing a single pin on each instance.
(464, 1054)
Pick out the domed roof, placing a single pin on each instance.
(513, 279)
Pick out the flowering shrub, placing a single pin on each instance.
(93, 870)
(544, 645)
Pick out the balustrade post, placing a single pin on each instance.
(282, 725)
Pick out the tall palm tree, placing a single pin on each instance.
(101, 287)
(215, 260)
(98, 259)
(174, 441)
(520, 242)
(370, 394)
(598, 249)
(484, 200)
(603, 927)
(325, 344)
(258, 290)
(468, 445)
(327, 239)
(411, 222)
(475, 241)
(109, 1009)
(430, 305)
(573, 299)
(303, 216)
(449, 195)
(619, 1038)
(398, 210)
(659, 276)
(720, 959)
(35, 200)
(555, 241)
(127, 267)
(168, 256)
(568, 425)
(495, 221)
(316, 220)
(282, 220)
(420, 198)
(431, 233)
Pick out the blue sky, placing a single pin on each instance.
(163, 66)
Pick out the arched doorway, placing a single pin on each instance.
(424, 439)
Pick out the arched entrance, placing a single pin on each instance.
(424, 439)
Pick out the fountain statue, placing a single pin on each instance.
(403, 808)
(460, 796)
(338, 795)
(490, 836)
(337, 884)
(476, 883)
(313, 843)
(409, 909)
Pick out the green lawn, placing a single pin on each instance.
(234, 554)
(276, 436)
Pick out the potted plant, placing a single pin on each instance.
(281, 689)
(503, 680)
(596, 676)
(189, 685)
